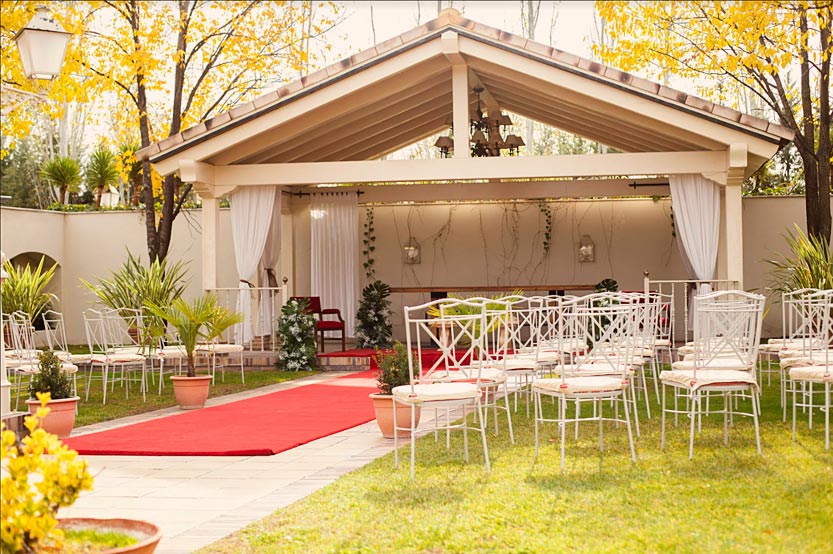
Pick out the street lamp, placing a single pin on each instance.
(42, 44)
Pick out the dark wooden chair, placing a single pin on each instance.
(323, 325)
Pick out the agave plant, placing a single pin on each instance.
(101, 172)
(25, 289)
(202, 319)
(133, 285)
(63, 173)
(808, 267)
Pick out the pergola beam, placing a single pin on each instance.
(581, 165)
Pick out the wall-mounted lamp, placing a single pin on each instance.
(411, 251)
(586, 249)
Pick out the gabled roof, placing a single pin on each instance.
(399, 91)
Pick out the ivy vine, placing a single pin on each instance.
(369, 246)
(546, 211)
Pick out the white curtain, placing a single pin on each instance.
(268, 263)
(696, 202)
(251, 217)
(335, 252)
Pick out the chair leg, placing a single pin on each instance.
(827, 407)
(343, 341)
(695, 398)
(755, 410)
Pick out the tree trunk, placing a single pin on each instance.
(63, 195)
(98, 192)
(137, 188)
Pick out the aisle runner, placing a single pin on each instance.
(258, 426)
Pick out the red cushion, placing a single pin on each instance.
(330, 325)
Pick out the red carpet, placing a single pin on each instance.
(258, 426)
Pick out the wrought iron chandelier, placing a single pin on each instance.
(486, 138)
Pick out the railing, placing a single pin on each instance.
(264, 313)
(678, 294)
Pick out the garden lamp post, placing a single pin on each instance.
(5, 385)
(42, 44)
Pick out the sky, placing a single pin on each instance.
(571, 31)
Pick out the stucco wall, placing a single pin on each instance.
(461, 244)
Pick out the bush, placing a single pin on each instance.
(393, 368)
(296, 333)
(50, 379)
(373, 329)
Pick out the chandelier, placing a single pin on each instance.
(486, 138)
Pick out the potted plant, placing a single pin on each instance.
(53, 380)
(41, 475)
(24, 290)
(393, 372)
(296, 335)
(373, 328)
(201, 320)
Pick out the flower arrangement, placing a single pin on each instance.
(296, 333)
(35, 484)
(373, 329)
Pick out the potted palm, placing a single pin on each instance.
(393, 372)
(62, 404)
(201, 320)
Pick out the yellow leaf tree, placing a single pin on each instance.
(778, 52)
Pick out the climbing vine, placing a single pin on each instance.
(546, 211)
(369, 245)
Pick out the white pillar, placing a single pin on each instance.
(733, 209)
(210, 222)
(5, 385)
(460, 106)
(722, 267)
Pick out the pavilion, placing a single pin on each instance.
(334, 125)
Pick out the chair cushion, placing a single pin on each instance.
(22, 354)
(591, 369)
(117, 358)
(709, 378)
(716, 363)
(220, 348)
(815, 373)
(32, 369)
(172, 351)
(433, 392)
(662, 342)
(580, 384)
(330, 325)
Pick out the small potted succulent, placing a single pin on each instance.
(393, 372)
(51, 378)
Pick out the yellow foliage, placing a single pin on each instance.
(39, 477)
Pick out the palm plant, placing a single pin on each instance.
(64, 173)
(25, 289)
(202, 319)
(101, 172)
(809, 266)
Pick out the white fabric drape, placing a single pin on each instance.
(696, 202)
(251, 217)
(335, 252)
(268, 263)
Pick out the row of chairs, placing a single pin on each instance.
(589, 354)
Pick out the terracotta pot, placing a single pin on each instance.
(61, 417)
(383, 404)
(147, 533)
(191, 392)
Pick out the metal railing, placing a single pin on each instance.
(264, 313)
(677, 296)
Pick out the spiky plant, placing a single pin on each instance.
(101, 172)
(64, 173)
(809, 266)
(202, 319)
(25, 289)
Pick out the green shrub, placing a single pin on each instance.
(373, 329)
(393, 368)
(296, 334)
(50, 378)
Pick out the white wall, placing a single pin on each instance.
(461, 244)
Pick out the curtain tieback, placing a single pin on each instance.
(271, 278)
(251, 286)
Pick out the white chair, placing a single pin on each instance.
(803, 376)
(602, 374)
(103, 331)
(56, 338)
(435, 375)
(727, 329)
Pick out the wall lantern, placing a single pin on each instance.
(42, 44)
(586, 249)
(411, 251)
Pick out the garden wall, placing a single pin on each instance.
(460, 244)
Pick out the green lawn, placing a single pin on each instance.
(726, 500)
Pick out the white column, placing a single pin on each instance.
(5, 385)
(733, 211)
(460, 105)
(721, 243)
(210, 222)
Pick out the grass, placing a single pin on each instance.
(725, 500)
(91, 540)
